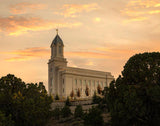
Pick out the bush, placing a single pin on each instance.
(94, 117)
(96, 99)
(57, 97)
(66, 111)
(67, 103)
(56, 113)
(78, 111)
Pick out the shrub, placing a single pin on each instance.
(78, 111)
(94, 117)
(57, 97)
(67, 103)
(66, 111)
(56, 113)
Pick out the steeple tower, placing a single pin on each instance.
(57, 47)
(55, 64)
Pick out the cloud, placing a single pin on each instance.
(71, 10)
(97, 19)
(17, 25)
(25, 7)
(140, 10)
(29, 54)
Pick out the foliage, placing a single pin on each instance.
(87, 91)
(99, 89)
(78, 93)
(134, 98)
(6, 121)
(78, 111)
(67, 103)
(72, 94)
(56, 97)
(28, 104)
(56, 113)
(96, 99)
(94, 117)
(66, 111)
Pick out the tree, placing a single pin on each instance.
(99, 89)
(66, 111)
(94, 117)
(78, 111)
(78, 93)
(57, 97)
(134, 98)
(6, 121)
(56, 113)
(72, 94)
(96, 99)
(67, 103)
(27, 104)
(87, 90)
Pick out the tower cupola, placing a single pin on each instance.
(57, 47)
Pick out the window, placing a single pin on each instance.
(89, 83)
(93, 83)
(63, 81)
(63, 90)
(84, 82)
(76, 81)
(60, 49)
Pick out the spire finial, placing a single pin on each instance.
(57, 31)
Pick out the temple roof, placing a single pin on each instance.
(57, 40)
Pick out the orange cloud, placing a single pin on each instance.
(15, 25)
(70, 10)
(139, 10)
(29, 54)
(24, 7)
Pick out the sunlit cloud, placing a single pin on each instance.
(71, 10)
(15, 25)
(140, 10)
(25, 7)
(29, 54)
(90, 63)
(97, 19)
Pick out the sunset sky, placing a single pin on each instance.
(97, 34)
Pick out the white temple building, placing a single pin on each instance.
(67, 81)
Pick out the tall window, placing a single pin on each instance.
(60, 49)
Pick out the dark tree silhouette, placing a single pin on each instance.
(72, 94)
(99, 89)
(78, 93)
(87, 91)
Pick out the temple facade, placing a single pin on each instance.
(67, 81)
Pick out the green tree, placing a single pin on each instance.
(67, 103)
(28, 104)
(78, 111)
(134, 98)
(96, 99)
(94, 117)
(6, 121)
(57, 97)
(56, 113)
(66, 111)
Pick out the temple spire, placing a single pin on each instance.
(57, 31)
